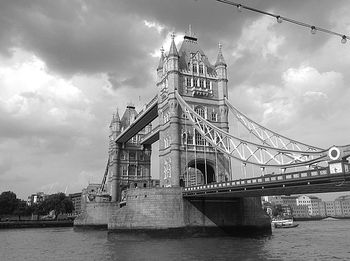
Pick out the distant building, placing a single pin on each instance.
(345, 204)
(306, 206)
(76, 200)
(313, 203)
(36, 198)
(275, 200)
(339, 207)
(301, 211)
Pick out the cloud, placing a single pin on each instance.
(306, 97)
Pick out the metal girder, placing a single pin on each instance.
(263, 155)
(269, 137)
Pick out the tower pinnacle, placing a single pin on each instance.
(161, 60)
(173, 50)
(220, 59)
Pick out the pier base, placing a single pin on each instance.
(157, 209)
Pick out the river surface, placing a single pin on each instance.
(312, 240)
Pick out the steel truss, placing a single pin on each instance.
(263, 155)
(269, 137)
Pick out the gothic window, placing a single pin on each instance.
(201, 69)
(194, 68)
(207, 84)
(189, 139)
(195, 82)
(141, 156)
(201, 83)
(132, 156)
(188, 82)
(139, 171)
(124, 171)
(123, 156)
(214, 116)
(200, 111)
(132, 170)
(199, 139)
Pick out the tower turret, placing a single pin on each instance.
(160, 65)
(221, 72)
(173, 64)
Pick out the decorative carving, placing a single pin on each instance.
(167, 172)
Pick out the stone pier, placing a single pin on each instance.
(155, 209)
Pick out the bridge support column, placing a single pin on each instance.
(116, 175)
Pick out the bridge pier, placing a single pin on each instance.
(157, 209)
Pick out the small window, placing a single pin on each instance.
(188, 82)
(199, 139)
(201, 69)
(201, 83)
(214, 116)
(195, 82)
(207, 84)
(131, 155)
(200, 111)
(194, 68)
(189, 139)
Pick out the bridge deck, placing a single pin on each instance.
(315, 181)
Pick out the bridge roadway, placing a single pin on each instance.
(304, 182)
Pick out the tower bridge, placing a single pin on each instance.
(198, 153)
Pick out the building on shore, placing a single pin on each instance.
(76, 200)
(36, 198)
(310, 206)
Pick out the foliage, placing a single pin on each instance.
(277, 210)
(59, 202)
(8, 203)
(22, 209)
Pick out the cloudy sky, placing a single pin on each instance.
(66, 66)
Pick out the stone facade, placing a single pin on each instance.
(129, 164)
(164, 208)
(204, 87)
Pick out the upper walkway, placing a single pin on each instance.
(145, 117)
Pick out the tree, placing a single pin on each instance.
(8, 203)
(277, 210)
(22, 209)
(59, 202)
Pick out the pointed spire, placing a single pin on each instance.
(116, 116)
(220, 59)
(161, 60)
(173, 50)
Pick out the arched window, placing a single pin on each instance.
(188, 81)
(200, 111)
(194, 68)
(132, 170)
(214, 116)
(201, 83)
(201, 69)
(132, 156)
(199, 139)
(207, 84)
(195, 82)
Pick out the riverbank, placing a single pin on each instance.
(36, 224)
(319, 218)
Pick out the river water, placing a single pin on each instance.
(312, 240)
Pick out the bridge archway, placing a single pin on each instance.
(204, 168)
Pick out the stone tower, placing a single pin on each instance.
(184, 156)
(129, 163)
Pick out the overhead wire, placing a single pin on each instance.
(280, 19)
